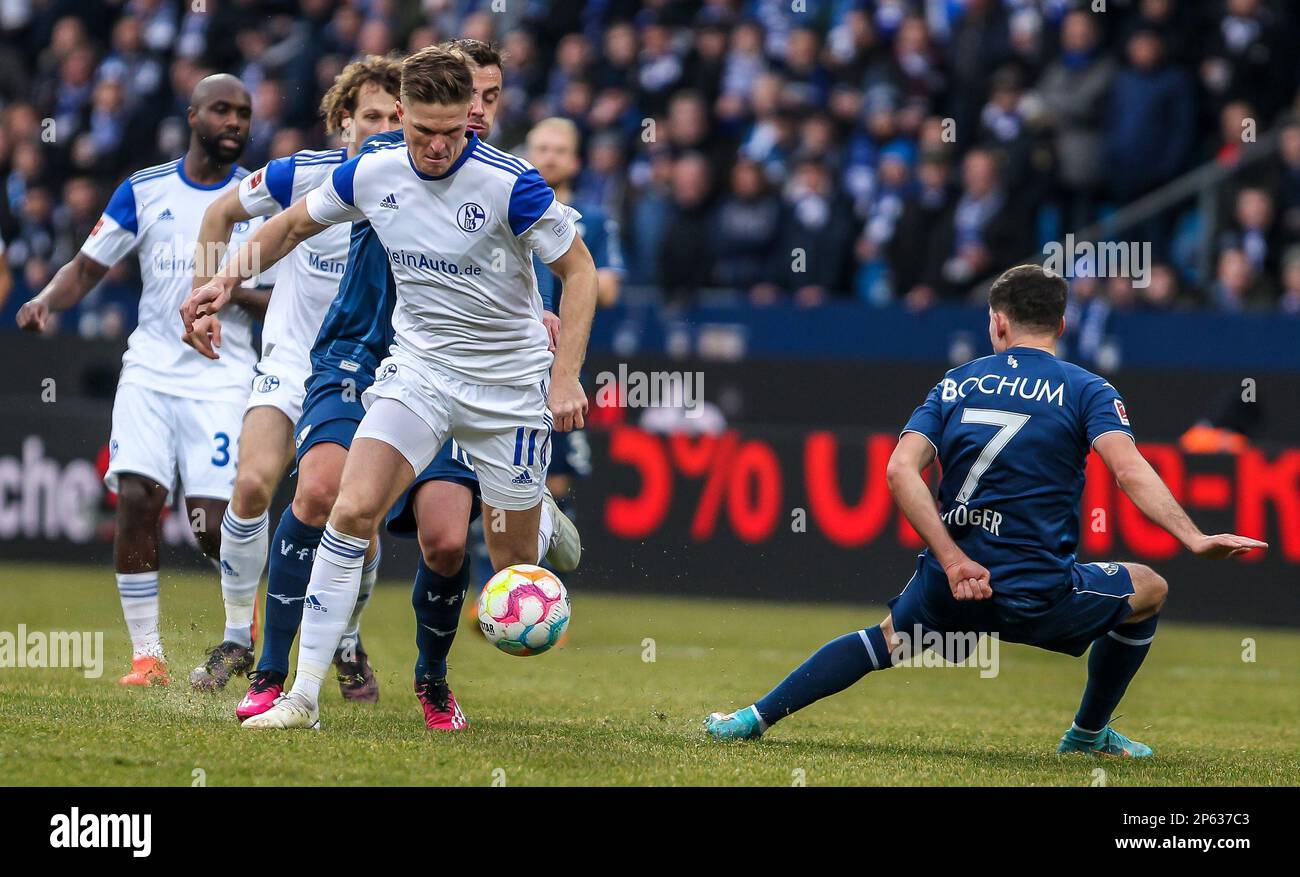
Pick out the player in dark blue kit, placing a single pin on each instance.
(1013, 432)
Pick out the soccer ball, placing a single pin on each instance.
(523, 610)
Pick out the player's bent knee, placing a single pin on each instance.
(1149, 589)
(252, 495)
(354, 517)
(138, 496)
(443, 553)
(313, 502)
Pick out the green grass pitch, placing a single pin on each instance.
(598, 712)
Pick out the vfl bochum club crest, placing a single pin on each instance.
(470, 216)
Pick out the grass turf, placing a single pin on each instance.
(599, 712)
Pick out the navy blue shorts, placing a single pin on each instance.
(331, 410)
(1063, 616)
(570, 454)
(451, 463)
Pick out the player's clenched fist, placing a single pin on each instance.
(568, 404)
(33, 315)
(209, 298)
(968, 580)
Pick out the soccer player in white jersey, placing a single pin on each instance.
(361, 103)
(459, 220)
(175, 412)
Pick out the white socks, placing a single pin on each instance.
(545, 527)
(369, 575)
(139, 594)
(327, 608)
(243, 556)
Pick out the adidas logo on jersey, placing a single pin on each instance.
(166, 214)
(390, 201)
(312, 603)
(522, 478)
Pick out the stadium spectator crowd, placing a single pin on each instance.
(836, 149)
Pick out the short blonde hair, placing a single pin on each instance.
(437, 75)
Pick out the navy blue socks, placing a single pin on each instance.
(832, 668)
(1113, 661)
(293, 549)
(438, 601)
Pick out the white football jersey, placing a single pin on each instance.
(460, 248)
(308, 278)
(157, 212)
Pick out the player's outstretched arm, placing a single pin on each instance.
(577, 272)
(214, 235)
(1143, 485)
(913, 453)
(68, 286)
(273, 241)
(214, 238)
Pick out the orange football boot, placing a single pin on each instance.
(146, 670)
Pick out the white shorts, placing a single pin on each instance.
(505, 429)
(161, 436)
(281, 383)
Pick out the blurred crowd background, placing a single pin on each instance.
(908, 148)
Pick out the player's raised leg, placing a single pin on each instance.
(140, 501)
(265, 452)
(1113, 661)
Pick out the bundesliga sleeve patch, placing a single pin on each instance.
(1120, 412)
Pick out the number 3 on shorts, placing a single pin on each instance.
(222, 455)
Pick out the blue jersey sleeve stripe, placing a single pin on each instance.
(279, 181)
(492, 162)
(121, 207)
(504, 157)
(158, 170)
(529, 199)
(343, 178)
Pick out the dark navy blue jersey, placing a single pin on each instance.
(358, 328)
(599, 231)
(1013, 432)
